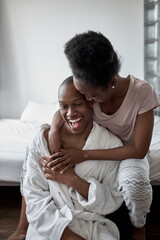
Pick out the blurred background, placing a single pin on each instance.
(32, 38)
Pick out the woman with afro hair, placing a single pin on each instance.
(124, 105)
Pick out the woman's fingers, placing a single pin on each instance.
(56, 162)
(53, 156)
(43, 162)
(56, 155)
(66, 168)
(46, 170)
(61, 164)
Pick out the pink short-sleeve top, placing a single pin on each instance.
(139, 99)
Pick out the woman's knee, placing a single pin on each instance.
(134, 182)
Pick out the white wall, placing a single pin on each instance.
(32, 36)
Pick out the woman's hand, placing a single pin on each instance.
(65, 159)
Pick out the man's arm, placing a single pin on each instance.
(99, 194)
(42, 213)
(69, 235)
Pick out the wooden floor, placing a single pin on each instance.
(153, 220)
(10, 202)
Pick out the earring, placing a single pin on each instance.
(113, 86)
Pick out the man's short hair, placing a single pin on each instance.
(67, 81)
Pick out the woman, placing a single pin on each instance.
(124, 106)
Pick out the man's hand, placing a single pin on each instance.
(67, 178)
(65, 159)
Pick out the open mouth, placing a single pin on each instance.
(75, 123)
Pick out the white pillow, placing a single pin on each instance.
(37, 112)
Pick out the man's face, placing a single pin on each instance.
(75, 110)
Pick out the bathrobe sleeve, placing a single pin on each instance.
(42, 213)
(103, 195)
(102, 199)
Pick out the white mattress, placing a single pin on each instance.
(15, 136)
(155, 153)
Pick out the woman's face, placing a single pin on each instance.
(98, 94)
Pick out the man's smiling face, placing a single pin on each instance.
(74, 108)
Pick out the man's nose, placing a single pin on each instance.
(71, 112)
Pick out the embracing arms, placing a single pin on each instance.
(141, 142)
(97, 193)
(139, 148)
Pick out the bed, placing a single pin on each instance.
(16, 134)
(155, 153)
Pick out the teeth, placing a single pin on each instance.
(75, 120)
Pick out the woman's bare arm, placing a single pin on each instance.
(142, 137)
(54, 140)
(139, 148)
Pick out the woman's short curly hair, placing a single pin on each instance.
(92, 58)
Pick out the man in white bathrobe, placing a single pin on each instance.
(73, 205)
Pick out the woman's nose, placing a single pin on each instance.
(89, 99)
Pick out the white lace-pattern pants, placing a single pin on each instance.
(134, 184)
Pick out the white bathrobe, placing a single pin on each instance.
(52, 206)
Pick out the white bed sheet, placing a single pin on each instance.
(155, 153)
(15, 136)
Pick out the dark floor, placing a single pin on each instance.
(10, 202)
(152, 227)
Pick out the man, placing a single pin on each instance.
(72, 205)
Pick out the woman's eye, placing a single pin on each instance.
(88, 96)
(78, 104)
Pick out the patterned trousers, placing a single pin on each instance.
(134, 184)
